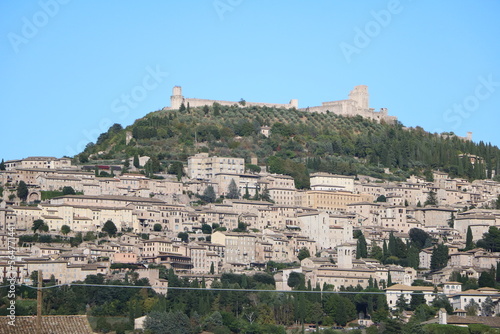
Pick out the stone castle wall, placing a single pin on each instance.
(203, 102)
(357, 104)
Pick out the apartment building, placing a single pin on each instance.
(202, 166)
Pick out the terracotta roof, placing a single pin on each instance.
(488, 321)
(56, 324)
(402, 287)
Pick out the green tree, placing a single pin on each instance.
(469, 243)
(376, 252)
(109, 228)
(232, 190)
(340, 309)
(65, 229)
(422, 313)
(39, 225)
(441, 301)
(176, 168)
(402, 303)
(172, 322)
(472, 308)
(419, 237)
(413, 257)
(385, 250)
(68, 191)
(216, 107)
(252, 168)
(2, 165)
(490, 240)
(247, 194)
(209, 194)
(303, 254)
(22, 191)
(157, 227)
(152, 166)
(212, 268)
(296, 170)
(381, 198)
(497, 277)
(361, 247)
(296, 279)
(391, 247)
(439, 257)
(431, 199)
(486, 279)
(266, 196)
(136, 162)
(417, 298)
(206, 110)
(487, 307)
(183, 236)
(206, 229)
(451, 221)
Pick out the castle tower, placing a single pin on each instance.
(361, 96)
(176, 98)
(345, 253)
(128, 137)
(469, 136)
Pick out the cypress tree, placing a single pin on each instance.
(469, 244)
(361, 247)
(439, 258)
(392, 245)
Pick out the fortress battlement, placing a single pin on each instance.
(356, 104)
(177, 99)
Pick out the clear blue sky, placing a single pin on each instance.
(67, 67)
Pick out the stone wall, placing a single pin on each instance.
(177, 99)
(357, 104)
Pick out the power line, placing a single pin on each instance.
(230, 289)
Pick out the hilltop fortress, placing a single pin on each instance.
(356, 104)
(177, 99)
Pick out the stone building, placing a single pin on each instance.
(201, 166)
(356, 104)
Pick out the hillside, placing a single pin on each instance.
(300, 142)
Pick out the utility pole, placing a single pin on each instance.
(39, 303)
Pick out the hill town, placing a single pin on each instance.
(429, 242)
